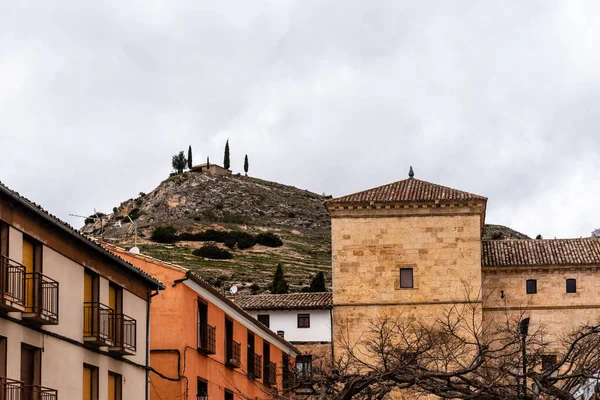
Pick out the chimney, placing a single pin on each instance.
(281, 334)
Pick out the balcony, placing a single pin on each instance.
(124, 335)
(98, 324)
(36, 392)
(41, 299)
(233, 354)
(10, 389)
(12, 285)
(270, 378)
(256, 371)
(206, 339)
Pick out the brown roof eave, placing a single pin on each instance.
(79, 237)
(196, 279)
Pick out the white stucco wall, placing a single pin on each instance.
(287, 321)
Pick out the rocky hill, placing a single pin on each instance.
(193, 203)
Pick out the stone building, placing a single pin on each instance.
(304, 319)
(414, 248)
(212, 169)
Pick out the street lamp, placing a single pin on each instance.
(202, 395)
(524, 329)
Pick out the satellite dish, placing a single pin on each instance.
(134, 250)
(233, 290)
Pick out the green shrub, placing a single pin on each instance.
(232, 218)
(164, 234)
(244, 240)
(269, 239)
(230, 242)
(135, 214)
(213, 252)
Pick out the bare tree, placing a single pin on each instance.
(596, 233)
(458, 356)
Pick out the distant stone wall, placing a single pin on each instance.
(551, 308)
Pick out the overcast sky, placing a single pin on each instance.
(499, 98)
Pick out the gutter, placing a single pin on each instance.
(150, 296)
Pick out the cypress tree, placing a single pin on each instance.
(246, 164)
(207, 163)
(226, 163)
(318, 283)
(190, 157)
(280, 286)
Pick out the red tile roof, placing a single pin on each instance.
(409, 191)
(501, 253)
(292, 301)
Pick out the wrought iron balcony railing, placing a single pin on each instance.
(12, 285)
(124, 334)
(98, 324)
(41, 299)
(233, 354)
(206, 339)
(256, 369)
(36, 392)
(10, 389)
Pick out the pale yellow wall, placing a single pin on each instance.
(445, 252)
(552, 307)
(62, 362)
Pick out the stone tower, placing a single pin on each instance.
(409, 248)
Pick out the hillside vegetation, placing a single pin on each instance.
(192, 206)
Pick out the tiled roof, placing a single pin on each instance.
(408, 191)
(36, 208)
(533, 252)
(292, 301)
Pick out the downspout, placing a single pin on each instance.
(331, 328)
(185, 278)
(148, 342)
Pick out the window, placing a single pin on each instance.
(202, 392)
(264, 319)
(304, 367)
(266, 361)
(250, 355)
(548, 361)
(115, 382)
(2, 356)
(571, 286)
(285, 367)
(90, 382)
(531, 286)
(31, 360)
(32, 260)
(228, 395)
(303, 320)
(406, 277)
(3, 240)
(206, 333)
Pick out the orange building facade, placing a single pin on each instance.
(202, 344)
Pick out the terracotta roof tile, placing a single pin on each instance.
(533, 252)
(408, 191)
(292, 301)
(76, 234)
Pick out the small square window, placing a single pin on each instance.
(264, 319)
(531, 286)
(303, 320)
(406, 277)
(571, 286)
(548, 361)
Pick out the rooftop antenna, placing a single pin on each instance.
(95, 218)
(133, 228)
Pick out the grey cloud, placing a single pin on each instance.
(497, 98)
